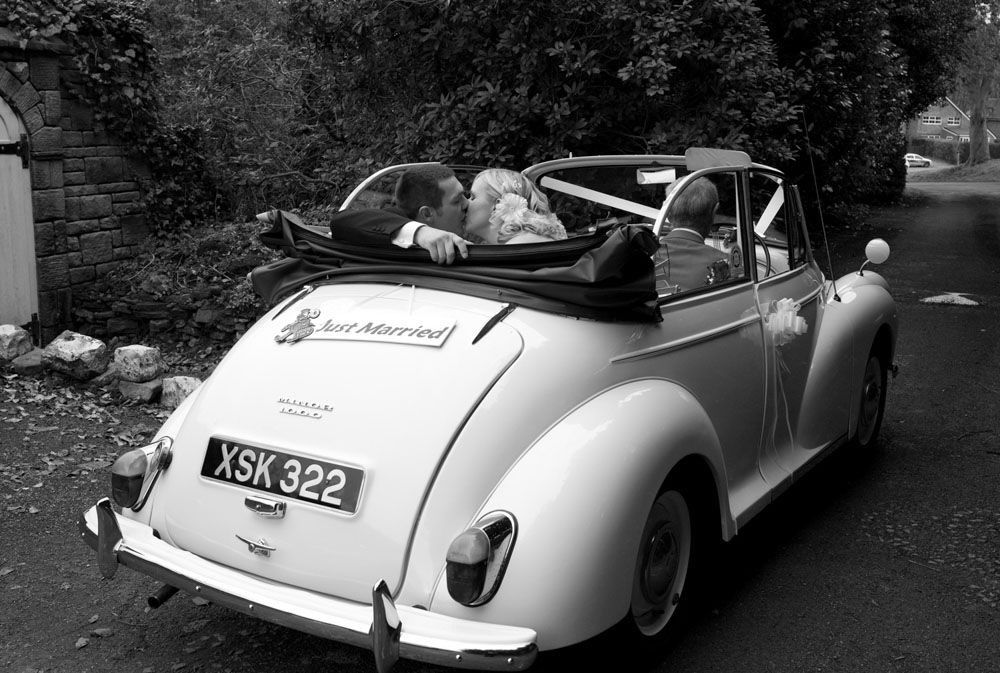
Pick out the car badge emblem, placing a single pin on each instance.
(303, 408)
(299, 328)
(260, 547)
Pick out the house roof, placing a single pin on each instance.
(967, 121)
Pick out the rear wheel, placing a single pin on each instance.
(670, 566)
(661, 567)
(871, 406)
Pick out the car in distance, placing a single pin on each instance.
(917, 160)
(536, 446)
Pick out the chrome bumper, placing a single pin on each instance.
(390, 631)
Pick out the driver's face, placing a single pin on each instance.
(451, 215)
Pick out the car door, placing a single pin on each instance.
(712, 336)
(710, 341)
(803, 375)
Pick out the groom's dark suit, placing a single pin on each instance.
(368, 226)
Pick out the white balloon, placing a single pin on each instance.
(877, 251)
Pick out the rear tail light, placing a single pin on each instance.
(466, 567)
(126, 477)
(135, 472)
(477, 558)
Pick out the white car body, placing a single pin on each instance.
(916, 160)
(463, 404)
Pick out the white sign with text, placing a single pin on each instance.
(388, 327)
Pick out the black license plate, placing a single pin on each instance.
(319, 482)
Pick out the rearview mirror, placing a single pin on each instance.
(697, 158)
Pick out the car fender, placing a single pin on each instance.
(580, 495)
(170, 428)
(874, 311)
(877, 324)
(847, 330)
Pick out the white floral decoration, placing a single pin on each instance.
(512, 216)
(509, 208)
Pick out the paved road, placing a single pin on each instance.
(889, 563)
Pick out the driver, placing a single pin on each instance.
(684, 260)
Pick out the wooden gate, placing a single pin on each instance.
(18, 277)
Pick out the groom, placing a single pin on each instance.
(429, 213)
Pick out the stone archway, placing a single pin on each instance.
(85, 186)
(18, 276)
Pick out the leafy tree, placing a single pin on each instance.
(237, 86)
(868, 67)
(514, 81)
(980, 75)
(925, 32)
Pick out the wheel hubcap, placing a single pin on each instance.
(662, 565)
(871, 397)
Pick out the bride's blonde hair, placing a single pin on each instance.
(512, 216)
(500, 181)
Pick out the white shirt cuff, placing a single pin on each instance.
(405, 235)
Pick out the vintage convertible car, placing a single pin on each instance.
(536, 446)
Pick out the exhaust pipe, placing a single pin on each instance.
(162, 595)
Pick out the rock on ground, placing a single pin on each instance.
(14, 342)
(138, 364)
(143, 391)
(176, 388)
(29, 364)
(76, 355)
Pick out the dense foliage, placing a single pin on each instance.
(231, 71)
(511, 82)
(515, 82)
(115, 60)
(867, 68)
(287, 103)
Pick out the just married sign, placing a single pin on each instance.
(388, 327)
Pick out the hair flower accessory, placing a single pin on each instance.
(509, 208)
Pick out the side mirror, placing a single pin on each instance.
(877, 251)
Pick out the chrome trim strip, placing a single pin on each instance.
(812, 295)
(425, 636)
(687, 341)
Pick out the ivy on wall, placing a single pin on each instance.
(116, 75)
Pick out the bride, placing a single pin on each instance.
(506, 207)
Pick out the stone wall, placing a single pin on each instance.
(85, 185)
(194, 315)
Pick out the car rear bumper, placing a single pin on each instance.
(388, 630)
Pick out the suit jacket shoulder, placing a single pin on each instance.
(369, 226)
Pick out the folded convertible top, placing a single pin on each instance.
(607, 275)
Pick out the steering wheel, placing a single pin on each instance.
(767, 255)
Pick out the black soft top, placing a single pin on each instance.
(606, 275)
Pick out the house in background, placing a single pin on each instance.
(944, 120)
